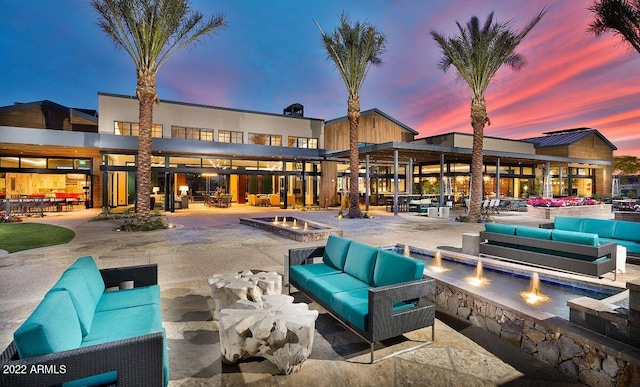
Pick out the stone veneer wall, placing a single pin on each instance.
(575, 351)
(599, 210)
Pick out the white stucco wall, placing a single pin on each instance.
(122, 108)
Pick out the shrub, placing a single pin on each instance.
(152, 225)
(9, 219)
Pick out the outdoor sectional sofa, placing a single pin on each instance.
(564, 250)
(624, 233)
(376, 293)
(82, 333)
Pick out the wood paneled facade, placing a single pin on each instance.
(375, 128)
(593, 146)
(48, 115)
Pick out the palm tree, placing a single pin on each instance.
(151, 31)
(353, 48)
(477, 53)
(622, 17)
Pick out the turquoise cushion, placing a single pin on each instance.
(392, 268)
(353, 306)
(499, 228)
(91, 274)
(126, 298)
(533, 232)
(575, 237)
(629, 231)
(300, 274)
(604, 228)
(52, 327)
(361, 260)
(335, 252)
(110, 325)
(567, 223)
(73, 282)
(632, 247)
(326, 286)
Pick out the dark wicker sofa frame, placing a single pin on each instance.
(382, 322)
(574, 265)
(138, 360)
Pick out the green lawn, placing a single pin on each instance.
(24, 236)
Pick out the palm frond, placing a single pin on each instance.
(478, 50)
(621, 17)
(151, 31)
(353, 48)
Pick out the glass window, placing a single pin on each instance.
(206, 134)
(215, 163)
(230, 136)
(121, 160)
(430, 169)
(33, 162)
(265, 139)
(527, 171)
(192, 134)
(178, 132)
(185, 161)
(237, 137)
(303, 142)
(61, 163)
(9, 162)
(460, 168)
(157, 161)
(82, 164)
(132, 129)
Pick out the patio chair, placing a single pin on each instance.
(495, 208)
(485, 206)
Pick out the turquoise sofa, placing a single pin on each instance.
(624, 233)
(571, 251)
(85, 334)
(376, 293)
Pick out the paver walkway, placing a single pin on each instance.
(211, 240)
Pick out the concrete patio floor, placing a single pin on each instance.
(211, 240)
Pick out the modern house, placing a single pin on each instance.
(47, 148)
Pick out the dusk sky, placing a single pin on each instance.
(269, 56)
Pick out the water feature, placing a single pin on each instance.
(290, 227)
(522, 288)
(534, 295)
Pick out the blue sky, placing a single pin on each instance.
(270, 56)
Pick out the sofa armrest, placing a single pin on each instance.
(385, 323)
(143, 275)
(138, 361)
(303, 255)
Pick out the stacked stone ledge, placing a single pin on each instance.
(574, 356)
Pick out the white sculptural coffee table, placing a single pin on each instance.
(277, 330)
(228, 288)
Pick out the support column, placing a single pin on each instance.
(498, 178)
(560, 188)
(395, 181)
(367, 183)
(441, 179)
(304, 185)
(286, 185)
(408, 176)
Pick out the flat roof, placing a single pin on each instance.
(426, 153)
(215, 107)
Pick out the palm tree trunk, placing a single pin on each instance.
(147, 95)
(478, 120)
(353, 115)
